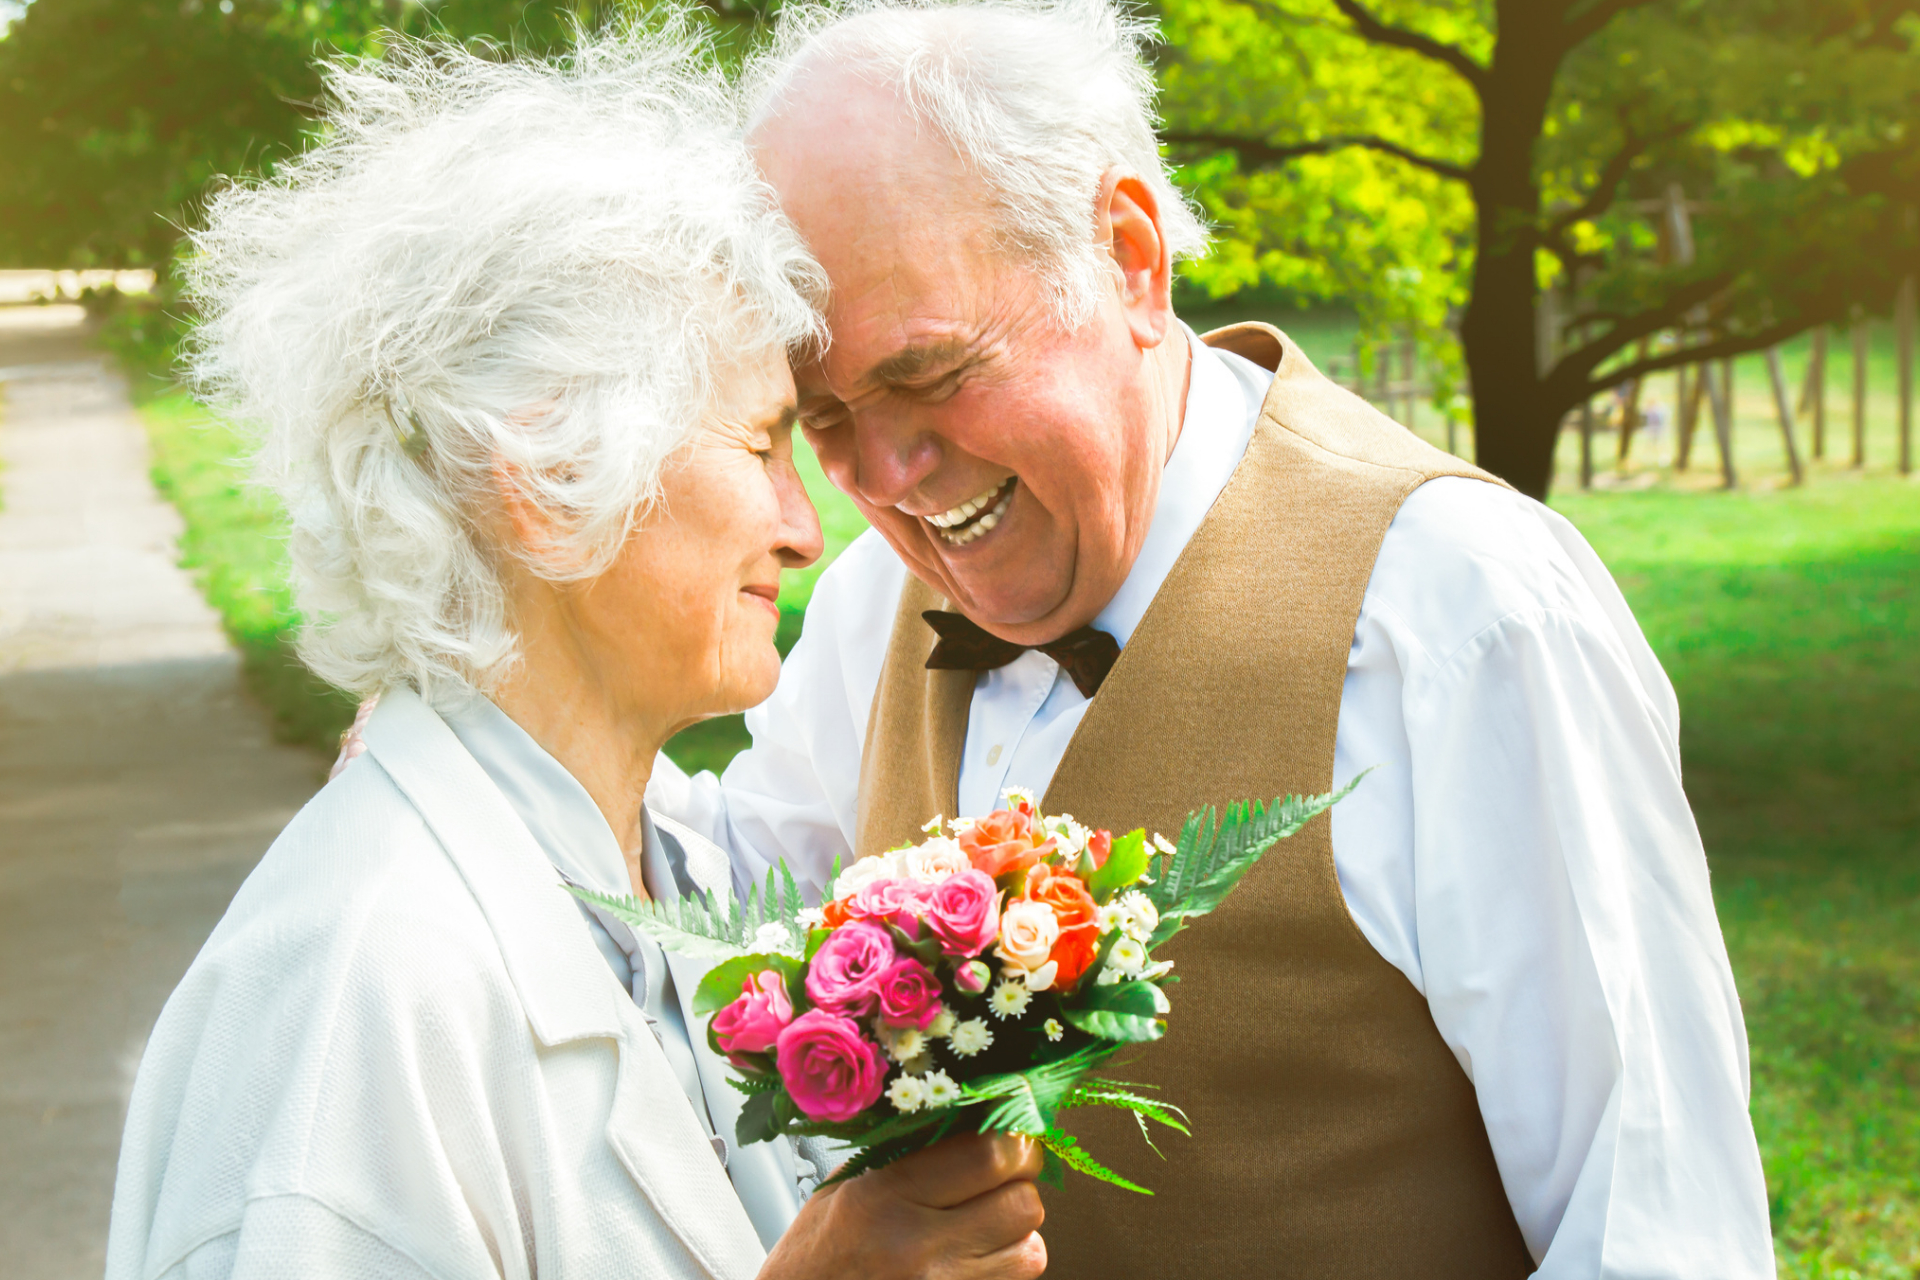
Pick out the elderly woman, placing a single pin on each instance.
(517, 334)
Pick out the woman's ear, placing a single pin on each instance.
(532, 531)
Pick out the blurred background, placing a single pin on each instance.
(1650, 260)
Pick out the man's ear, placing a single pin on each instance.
(1128, 226)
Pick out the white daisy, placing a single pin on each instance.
(1014, 795)
(1142, 916)
(902, 1043)
(942, 1025)
(941, 1090)
(772, 936)
(932, 827)
(1163, 844)
(970, 1037)
(907, 1093)
(1128, 957)
(1010, 999)
(810, 918)
(1053, 1029)
(918, 1064)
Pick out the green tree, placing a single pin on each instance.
(1423, 158)
(115, 115)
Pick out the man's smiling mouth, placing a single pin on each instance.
(959, 525)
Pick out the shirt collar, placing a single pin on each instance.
(1223, 403)
(563, 819)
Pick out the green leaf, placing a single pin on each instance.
(1214, 853)
(725, 981)
(758, 1122)
(753, 1084)
(681, 925)
(1104, 1094)
(1027, 1101)
(1074, 1156)
(1126, 862)
(1127, 1011)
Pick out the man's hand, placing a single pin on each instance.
(964, 1209)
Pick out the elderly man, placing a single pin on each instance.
(1481, 1024)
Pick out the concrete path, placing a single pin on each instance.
(138, 784)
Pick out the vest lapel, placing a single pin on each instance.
(916, 730)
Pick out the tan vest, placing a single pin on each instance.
(1334, 1132)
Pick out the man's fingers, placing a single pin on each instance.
(1022, 1260)
(995, 1221)
(957, 1169)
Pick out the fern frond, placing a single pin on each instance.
(1216, 849)
(681, 925)
(1074, 1156)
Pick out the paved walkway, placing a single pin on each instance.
(138, 784)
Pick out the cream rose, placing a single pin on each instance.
(935, 861)
(1028, 931)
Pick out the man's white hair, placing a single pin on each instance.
(535, 269)
(1041, 98)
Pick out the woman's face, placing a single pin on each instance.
(685, 617)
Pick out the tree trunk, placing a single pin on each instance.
(1515, 419)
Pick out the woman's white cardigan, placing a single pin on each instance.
(400, 1055)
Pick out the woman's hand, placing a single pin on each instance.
(965, 1208)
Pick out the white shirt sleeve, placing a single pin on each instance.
(794, 794)
(1527, 857)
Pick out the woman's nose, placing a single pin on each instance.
(801, 542)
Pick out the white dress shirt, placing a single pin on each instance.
(1525, 854)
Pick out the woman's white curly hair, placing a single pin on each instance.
(540, 266)
(1040, 98)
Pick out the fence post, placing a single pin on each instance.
(1813, 392)
(1409, 358)
(1720, 391)
(1778, 377)
(1903, 337)
(1689, 413)
(1861, 351)
(1384, 377)
(1586, 443)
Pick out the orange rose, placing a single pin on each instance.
(1004, 841)
(1079, 940)
(836, 913)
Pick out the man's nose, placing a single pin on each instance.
(892, 456)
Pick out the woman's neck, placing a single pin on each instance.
(582, 721)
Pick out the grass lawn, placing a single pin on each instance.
(1787, 620)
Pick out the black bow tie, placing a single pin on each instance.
(1086, 655)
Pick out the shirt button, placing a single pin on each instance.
(993, 755)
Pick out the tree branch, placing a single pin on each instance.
(1600, 197)
(1265, 153)
(1590, 20)
(1371, 28)
(1583, 360)
(1738, 345)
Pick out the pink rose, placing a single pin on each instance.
(831, 1071)
(965, 912)
(897, 902)
(753, 1023)
(845, 974)
(909, 995)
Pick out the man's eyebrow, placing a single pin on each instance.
(915, 361)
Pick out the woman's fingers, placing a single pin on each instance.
(957, 1169)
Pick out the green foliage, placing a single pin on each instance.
(724, 982)
(1126, 862)
(1214, 852)
(716, 925)
(1126, 1012)
(1788, 621)
(117, 115)
(1425, 159)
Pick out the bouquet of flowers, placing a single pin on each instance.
(975, 981)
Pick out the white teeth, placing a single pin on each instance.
(980, 526)
(965, 511)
